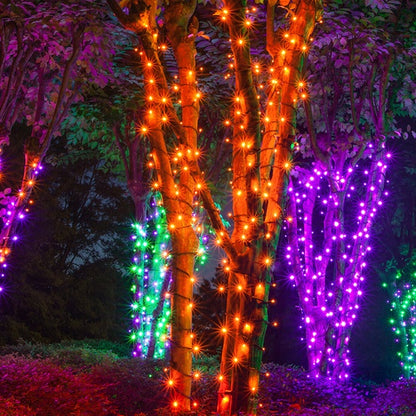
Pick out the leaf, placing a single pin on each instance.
(202, 34)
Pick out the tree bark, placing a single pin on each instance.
(177, 192)
(259, 172)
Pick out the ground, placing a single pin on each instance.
(99, 379)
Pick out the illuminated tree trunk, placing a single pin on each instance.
(182, 28)
(37, 145)
(328, 226)
(261, 160)
(157, 313)
(177, 194)
(402, 300)
(133, 151)
(151, 279)
(328, 275)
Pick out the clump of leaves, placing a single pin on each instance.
(291, 391)
(47, 389)
(60, 383)
(398, 398)
(74, 354)
(12, 407)
(132, 384)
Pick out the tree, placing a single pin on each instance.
(177, 199)
(105, 122)
(47, 50)
(67, 266)
(261, 159)
(261, 153)
(334, 197)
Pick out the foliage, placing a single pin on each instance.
(68, 265)
(396, 398)
(49, 389)
(92, 123)
(48, 49)
(290, 391)
(86, 353)
(89, 127)
(132, 384)
(13, 407)
(131, 387)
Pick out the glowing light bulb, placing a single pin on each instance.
(247, 328)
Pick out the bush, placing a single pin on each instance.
(78, 379)
(76, 354)
(49, 390)
(398, 398)
(290, 391)
(132, 384)
(12, 407)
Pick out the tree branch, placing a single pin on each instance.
(122, 17)
(312, 134)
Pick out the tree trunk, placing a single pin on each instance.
(158, 314)
(184, 247)
(257, 217)
(182, 28)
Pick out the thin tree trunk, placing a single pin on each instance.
(257, 174)
(182, 28)
(157, 314)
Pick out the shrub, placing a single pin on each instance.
(398, 398)
(290, 391)
(12, 407)
(133, 385)
(27, 349)
(78, 379)
(49, 390)
(75, 354)
(81, 357)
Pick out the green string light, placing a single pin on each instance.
(151, 274)
(403, 324)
